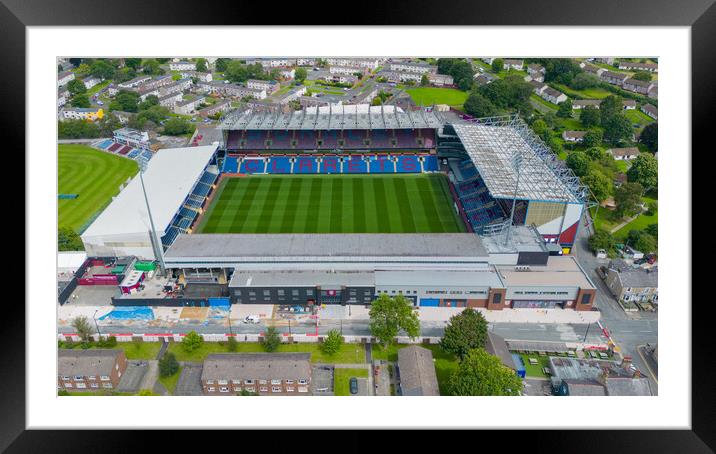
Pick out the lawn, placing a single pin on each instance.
(332, 204)
(348, 354)
(170, 382)
(535, 371)
(640, 223)
(542, 105)
(587, 93)
(342, 377)
(638, 117)
(132, 350)
(94, 175)
(427, 96)
(445, 363)
(98, 87)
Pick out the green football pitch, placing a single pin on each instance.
(94, 175)
(332, 204)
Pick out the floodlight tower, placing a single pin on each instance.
(155, 242)
(516, 165)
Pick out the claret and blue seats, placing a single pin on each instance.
(306, 140)
(253, 165)
(330, 139)
(279, 164)
(280, 140)
(380, 139)
(407, 164)
(381, 164)
(305, 165)
(355, 164)
(467, 170)
(405, 138)
(354, 139)
(231, 165)
(330, 164)
(430, 163)
(233, 140)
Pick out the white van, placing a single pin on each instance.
(252, 319)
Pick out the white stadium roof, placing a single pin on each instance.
(492, 144)
(170, 175)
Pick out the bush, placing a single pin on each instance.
(231, 344)
(168, 365)
(192, 341)
(332, 343)
(271, 340)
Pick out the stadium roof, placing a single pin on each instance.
(493, 144)
(326, 245)
(170, 176)
(357, 116)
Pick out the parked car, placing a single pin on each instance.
(252, 319)
(354, 385)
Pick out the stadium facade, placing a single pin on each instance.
(513, 195)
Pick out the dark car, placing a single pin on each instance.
(354, 385)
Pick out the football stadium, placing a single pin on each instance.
(334, 205)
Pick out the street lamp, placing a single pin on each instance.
(229, 317)
(289, 327)
(585, 333)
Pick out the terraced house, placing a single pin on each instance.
(90, 370)
(276, 374)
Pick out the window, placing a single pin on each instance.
(65, 377)
(237, 389)
(81, 385)
(263, 389)
(223, 382)
(289, 382)
(251, 389)
(275, 382)
(294, 292)
(276, 389)
(104, 378)
(262, 382)
(586, 298)
(224, 389)
(290, 389)
(267, 292)
(94, 385)
(210, 382)
(68, 385)
(92, 377)
(302, 389)
(211, 389)
(497, 298)
(281, 292)
(235, 382)
(303, 381)
(248, 382)
(107, 385)
(78, 377)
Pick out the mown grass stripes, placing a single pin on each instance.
(332, 204)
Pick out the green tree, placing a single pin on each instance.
(221, 64)
(231, 344)
(271, 339)
(592, 138)
(201, 65)
(81, 101)
(236, 72)
(176, 127)
(82, 327)
(539, 127)
(596, 153)
(565, 109)
(498, 65)
(126, 101)
(192, 341)
(151, 100)
(653, 230)
(332, 343)
(584, 80)
(69, 240)
(602, 239)
(301, 75)
(168, 365)
(645, 171)
(644, 76)
(465, 331)
(650, 137)
(152, 67)
(388, 316)
(617, 129)
(424, 81)
(102, 69)
(642, 241)
(76, 87)
(589, 117)
(479, 106)
(600, 185)
(609, 107)
(76, 129)
(579, 162)
(482, 374)
(83, 70)
(627, 198)
(133, 63)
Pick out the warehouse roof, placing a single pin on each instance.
(170, 176)
(327, 245)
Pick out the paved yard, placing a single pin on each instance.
(536, 387)
(189, 383)
(322, 380)
(132, 378)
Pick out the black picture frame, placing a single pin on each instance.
(16, 15)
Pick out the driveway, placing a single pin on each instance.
(131, 380)
(322, 380)
(189, 383)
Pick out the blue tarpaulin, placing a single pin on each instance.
(130, 313)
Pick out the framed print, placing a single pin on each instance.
(443, 220)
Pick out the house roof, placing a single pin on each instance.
(251, 366)
(496, 346)
(88, 362)
(638, 83)
(614, 75)
(585, 388)
(575, 134)
(626, 151)
(624, 386)
(649, 108)
(635, 276)
(417, 372)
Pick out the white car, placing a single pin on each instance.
(252, 319)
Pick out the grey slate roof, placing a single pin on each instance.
(327, 245)
(496, 346)
(585, 388)
(417, 372)
(628, 386)
(88, 362)
(252, 366)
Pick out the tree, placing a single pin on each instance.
(565, 109)
(601, 239)
(168, 365)
(560, 70)
(650, 137)
(645, 171)
(609, 107)
(617, 129)
(589, 117)
(201, 65)
(231, 344)
(584, 80)
(424, 81)
(479, 106)
(644, 76)
(482, 374)
(628, 199)
(82, 327)
(100, 68)
(498, 64)
(149, 101)
(653, 230)
(271, 339)
(465, 331)
(599, 184)
(133, 63)
(126, 101)
(191, 341)
(152, 67)
(81, 101)
(221, 64)
(300, 75)
(596, 153)
(579, 162)
(76, 86)
(539, 127)
(236, 72)
(176, 127)
(332, 343)
(388, 316)
(592, 138)
(642, 241)
(69, 240)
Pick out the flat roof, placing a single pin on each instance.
(170, 175)
(494, 145)
(301, 278)
(560, 270)
(327, 245)
(424, 278)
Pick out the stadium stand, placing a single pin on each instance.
(306, 140)
(427, 136)
(187, 213)
(381, 164)
(407, 164)
(355, 164)
(279, 164)
(330, 140)
(114, 147)
(171, 235)
(201, 190)
(124, 150)
(105, 144)
(305, 165)
(233, 140)
(134, 153)
(354, 139)
(255, 140)
(406, 138)
(430, 164)
(231, 165)
(330, 164)
(194, 202)
(255, 165)
(208, 177)
(280, 140)
(467, 170)
(380, 139)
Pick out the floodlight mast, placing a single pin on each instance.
(516, 163)
(157, 244)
